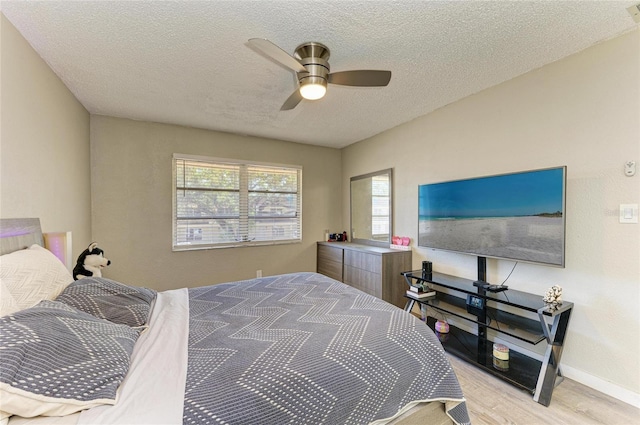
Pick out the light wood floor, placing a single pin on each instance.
(491, 401)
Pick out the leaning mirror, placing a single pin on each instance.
(371, 206)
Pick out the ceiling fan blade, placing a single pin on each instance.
(276, 53)
(361, 78)
(292, 101)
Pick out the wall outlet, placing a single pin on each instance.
(258, 273)
(628, 213)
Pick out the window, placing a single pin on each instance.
(221, 203)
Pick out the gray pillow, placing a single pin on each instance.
(111, 300)
(57, 360)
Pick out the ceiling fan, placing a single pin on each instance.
(311, 64)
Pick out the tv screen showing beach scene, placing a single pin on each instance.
(518, 216)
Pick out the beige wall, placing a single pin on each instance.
(44, 143)
(131, 198)
(583, 112)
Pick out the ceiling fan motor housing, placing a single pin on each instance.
(315, 58)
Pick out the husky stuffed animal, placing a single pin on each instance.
(90, 262)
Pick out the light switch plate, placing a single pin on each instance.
(630, 168)
(628, 213)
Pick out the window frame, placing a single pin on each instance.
(243, 191)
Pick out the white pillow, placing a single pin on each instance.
(8, 304)
(29, 276)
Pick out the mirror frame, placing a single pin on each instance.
(389, 172)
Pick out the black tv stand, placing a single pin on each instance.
(512, 313)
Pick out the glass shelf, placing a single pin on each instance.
(519, 327)
(522, 371)
(513, 297)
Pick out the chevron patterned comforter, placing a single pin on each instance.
(305, 349)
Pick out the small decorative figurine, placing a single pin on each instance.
(553, 297)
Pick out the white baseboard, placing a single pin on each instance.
(601, 385)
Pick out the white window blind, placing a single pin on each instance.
(227, 203)
(380, 205)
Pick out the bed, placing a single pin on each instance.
(294, 348)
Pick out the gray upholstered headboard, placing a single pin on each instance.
(19, 233)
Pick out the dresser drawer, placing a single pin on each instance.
(329, 262)
(332, 269)
(363, 260)
(363, 280)
(329, 253)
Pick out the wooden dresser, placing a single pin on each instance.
(371, 269)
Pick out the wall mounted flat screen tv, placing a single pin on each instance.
(518, 216)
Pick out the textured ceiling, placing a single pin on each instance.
(188, 63)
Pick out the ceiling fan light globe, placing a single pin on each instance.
(313, 91)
